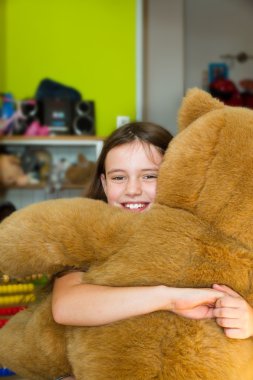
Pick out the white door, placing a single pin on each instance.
(163, 61)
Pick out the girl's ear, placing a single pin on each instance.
(195, 104)
(103, 181)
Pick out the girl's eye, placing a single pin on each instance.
(118, 178)
(150, 176)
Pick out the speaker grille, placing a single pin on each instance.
(84, 122)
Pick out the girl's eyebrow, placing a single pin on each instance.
(115, 171)
(142, 170)
(152, 169)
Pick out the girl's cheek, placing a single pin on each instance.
(151, 190)
(113, 193)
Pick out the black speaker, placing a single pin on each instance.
(84, 120)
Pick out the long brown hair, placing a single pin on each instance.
(146, 132)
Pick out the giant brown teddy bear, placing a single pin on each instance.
(199, 232)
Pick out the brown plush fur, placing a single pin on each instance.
(199, 232)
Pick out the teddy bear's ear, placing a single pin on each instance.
(195, 104)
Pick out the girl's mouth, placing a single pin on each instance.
(138, 206)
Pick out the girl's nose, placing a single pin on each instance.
(133, 187)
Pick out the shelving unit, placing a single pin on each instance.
(53, 141)
(67, 147)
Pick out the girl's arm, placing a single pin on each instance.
(78, 304)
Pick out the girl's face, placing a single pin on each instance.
(130, 177)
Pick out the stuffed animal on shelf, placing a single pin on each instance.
(198, 232)
(81, 172)
(37, 164)
(11, 172)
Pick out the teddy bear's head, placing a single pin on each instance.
(208, 167)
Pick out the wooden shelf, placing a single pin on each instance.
(39, 186)
(51, 140)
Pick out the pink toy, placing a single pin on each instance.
(36, 129)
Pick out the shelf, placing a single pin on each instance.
(51, 140)
(40, 186)
(54, 141)
(58, 146)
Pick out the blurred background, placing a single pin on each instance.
(133, 58)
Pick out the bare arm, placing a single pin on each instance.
(78, 304)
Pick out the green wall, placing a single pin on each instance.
(86, 44)
(2, 45)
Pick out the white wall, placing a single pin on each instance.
(163, 61)
(214, 28)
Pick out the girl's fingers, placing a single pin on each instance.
(226, 312)
(232, 302)
(226, 289)
(229, 323)
(235, 334)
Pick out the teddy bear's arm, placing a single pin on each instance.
(48, 236)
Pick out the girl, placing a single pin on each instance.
(125, 177)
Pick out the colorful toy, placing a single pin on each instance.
(198, 232)
(9, 311)
(4, 372)
(36, 129)
(19, 117)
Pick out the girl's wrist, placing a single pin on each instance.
(165, 297)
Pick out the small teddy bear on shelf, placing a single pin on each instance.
(11, 172)
(80, 172)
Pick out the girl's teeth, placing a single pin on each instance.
(134, 206)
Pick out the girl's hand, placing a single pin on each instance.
(233, 313)
(195, 303)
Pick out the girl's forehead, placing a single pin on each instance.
(136, 146)
(138, 150)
